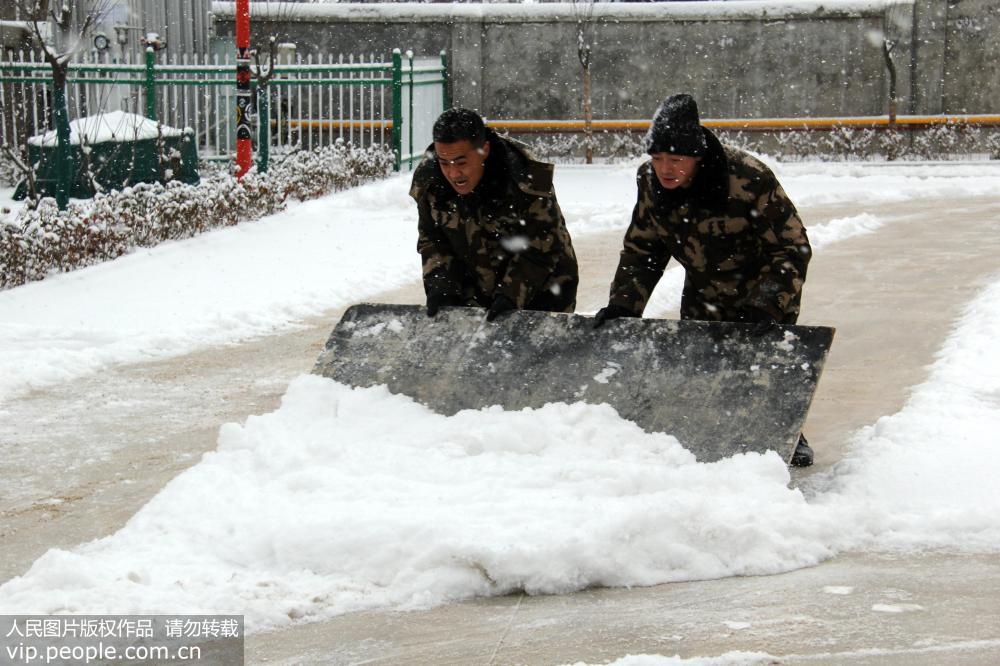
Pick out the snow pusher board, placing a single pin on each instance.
(714, 386)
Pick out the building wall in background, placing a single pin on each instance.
(971, 80)
(760, 60)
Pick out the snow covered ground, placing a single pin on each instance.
(327, 505)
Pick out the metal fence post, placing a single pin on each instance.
(64, 163)
(409, 125)
(445, 102)
(150, 83)
(263, 127)
(397, 107)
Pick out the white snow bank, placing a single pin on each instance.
(327, 506)
(114, 126)
(347, 499)
(816, 183)
(927, 476)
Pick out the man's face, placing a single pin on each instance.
(674, 171)
(462, 163)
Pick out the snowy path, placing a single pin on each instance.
(99, 447)
(893, 310)
(82, 456)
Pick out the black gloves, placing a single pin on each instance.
(500, 305)
(435, 302)
(610, 312)
(763, 322)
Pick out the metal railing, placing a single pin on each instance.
(310, 102)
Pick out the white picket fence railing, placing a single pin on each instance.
(312, 101)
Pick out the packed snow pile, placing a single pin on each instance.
(327, 505)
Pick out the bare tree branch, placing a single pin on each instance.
(57, 54)
(887, 47)
(21, 165)
(63, 16)
(26, 169)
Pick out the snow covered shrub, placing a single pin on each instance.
(950, 141)
(308, 174)
(893, 143)
(923, 145)
(945, 138)
(939, 142)
(992, 145)
(967, 140)
(850, 143)
(45, 240)
(608, 146)
(626, 146)
(738, 139)
(560, 147)
(794, 145)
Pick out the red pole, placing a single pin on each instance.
(244, 142)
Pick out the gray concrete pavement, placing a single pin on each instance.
(953, 619)
(892, 297)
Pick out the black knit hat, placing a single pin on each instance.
(676, 128)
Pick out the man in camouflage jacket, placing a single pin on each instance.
(722, 214)
(490, 230)
(731, 226)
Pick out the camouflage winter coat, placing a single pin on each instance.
(734, 230)
(506, 237)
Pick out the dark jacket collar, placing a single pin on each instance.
(508, 166)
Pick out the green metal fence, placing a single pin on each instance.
(303, 103)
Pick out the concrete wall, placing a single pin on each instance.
(745, 60)
(971, 81)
